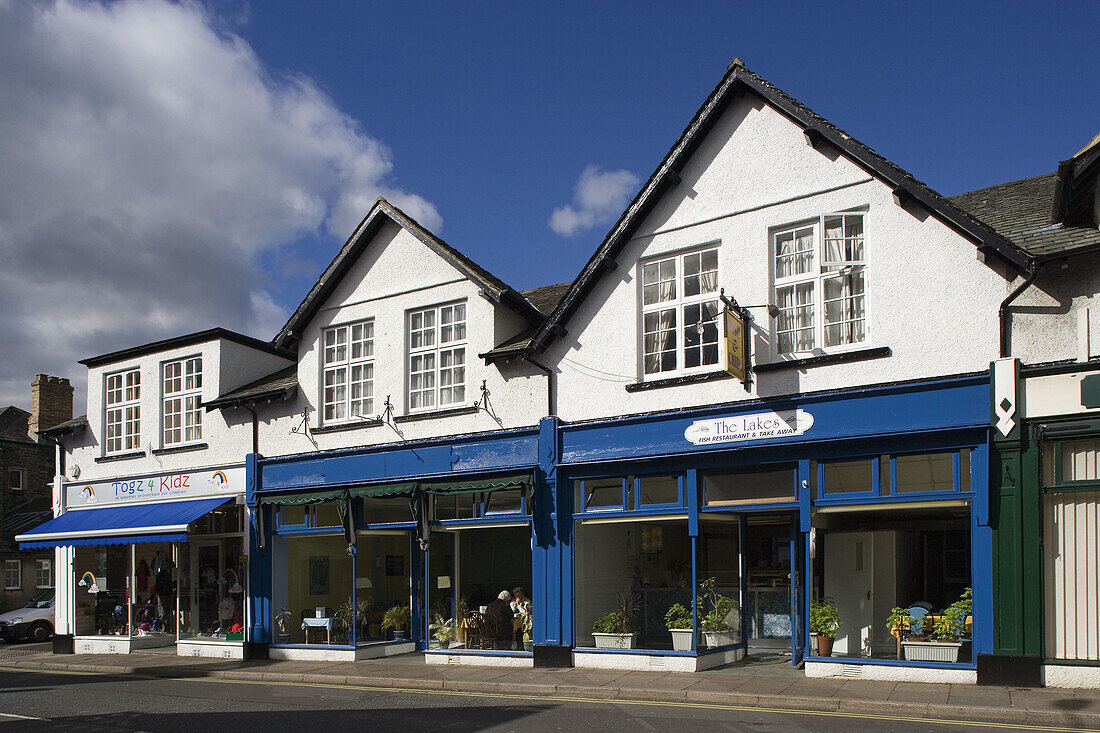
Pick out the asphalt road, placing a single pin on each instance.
(87, 703)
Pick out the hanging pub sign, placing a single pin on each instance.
(757, 426)
(735, 338)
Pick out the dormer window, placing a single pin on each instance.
(437, 356)
(680, 313)
(123, 411)
(349, 371)
(820, 284)
(182, 401)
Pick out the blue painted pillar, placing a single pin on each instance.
(259, 558)
(547, 557)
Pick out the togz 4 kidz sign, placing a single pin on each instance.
(180, 485)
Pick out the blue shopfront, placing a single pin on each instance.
(730, 522)
(377, 551)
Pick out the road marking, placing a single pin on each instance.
(571, 698)
(13, 716)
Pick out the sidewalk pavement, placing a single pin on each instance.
(784, 689)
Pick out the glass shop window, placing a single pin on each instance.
(925, 472)
(848, 477)
(100, 591)
(292, 516)
(504, 501)
(602, 493)
(656, 490)
(386, 511)
(751, 485)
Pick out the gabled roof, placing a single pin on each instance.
(277, 385)
(547, 297)
(13, 424)
(176, 342)
(1021, 212)
(1075, 190)
(739, 81)
(493, 287)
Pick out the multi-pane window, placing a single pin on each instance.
(123, 411)
(820, 284)
(349, 371)
(680, 312)
(437, 356)
(183, 400)
(15, 479)
(43, 570)
(13, 574)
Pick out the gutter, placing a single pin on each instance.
(1002, 315)
(550, 406)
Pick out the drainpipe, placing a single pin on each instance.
(550, 410)
(1032, 273)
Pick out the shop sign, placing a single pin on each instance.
(181, 485)
(736, 344)
(757, 426)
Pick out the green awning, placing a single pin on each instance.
(385, 491)
(476, 485)
(303, 497)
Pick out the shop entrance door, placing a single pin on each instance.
(770, 608)
(208, 560)
(798, 574)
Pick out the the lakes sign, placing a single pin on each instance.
(757, 426)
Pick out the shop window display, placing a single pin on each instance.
(469, 570)
(718, 581)
(645, 561)
(317, 576)
(383, 580)
(868, 562)
(101, 590)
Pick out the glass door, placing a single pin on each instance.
(768, 553)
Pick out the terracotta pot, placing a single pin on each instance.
(824, 646)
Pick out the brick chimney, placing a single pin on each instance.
(51, 403)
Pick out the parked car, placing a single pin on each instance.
(33, 621)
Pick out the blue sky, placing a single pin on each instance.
(172, 167)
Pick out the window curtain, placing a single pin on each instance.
(709, 281)
(835, 253)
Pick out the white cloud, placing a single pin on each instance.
(598, 198)
(149, 160)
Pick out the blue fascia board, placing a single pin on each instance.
(340, 468)
(936, 406)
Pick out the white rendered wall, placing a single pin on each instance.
(227, 440)
(928, 297)
(1051, 329)
(397, 273)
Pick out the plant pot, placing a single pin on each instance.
(931, 651)
(528, 646)
(824, 646)
(282, 638)
(399, 636)
(681, 639)
(718, 638)
(614, 641)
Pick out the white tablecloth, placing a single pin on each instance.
(322, 623)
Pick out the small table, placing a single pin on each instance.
(316, 623)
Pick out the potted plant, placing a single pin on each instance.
(678, 621)
(719, 614)
(443, 629)
(397, 618)
(282, 624)
(824, 621)
(617, 629)
(944, 630)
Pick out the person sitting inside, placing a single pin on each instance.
(498, 621)
(521, 606)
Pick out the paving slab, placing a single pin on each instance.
(980, 696)
(866, 690)
(764, 686)
(907, 692)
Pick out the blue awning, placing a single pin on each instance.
(119, 525)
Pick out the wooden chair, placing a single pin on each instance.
(475, 625)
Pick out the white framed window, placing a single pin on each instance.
(348, 389)
(820, 284)
(123, 408)
(182, 401)
(680, 307)
(13, 574)
(437, 356)
(43, 571)
(15, 479)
